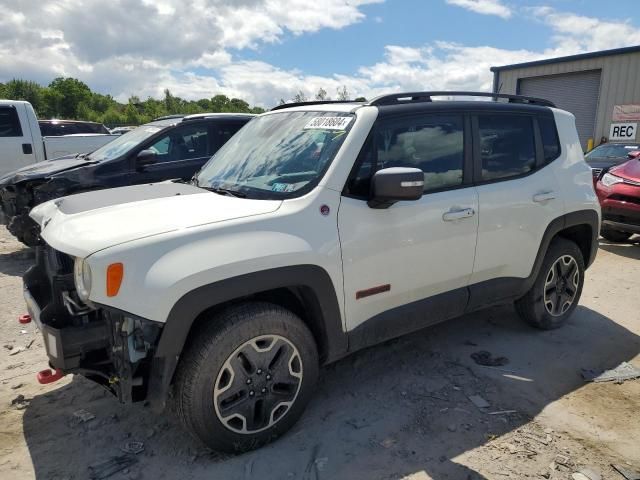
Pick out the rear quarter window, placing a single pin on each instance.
(550, 140)
(9, 123)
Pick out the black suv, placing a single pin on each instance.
(167, 148)
(55, 128)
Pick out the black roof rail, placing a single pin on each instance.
(417, 97)
(312, 102)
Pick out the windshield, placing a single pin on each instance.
(279, 155)
(124, 143)
(611, 151)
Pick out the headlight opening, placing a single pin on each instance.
(82, 278)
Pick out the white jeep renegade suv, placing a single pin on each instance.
(319, 229)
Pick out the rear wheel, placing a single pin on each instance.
(615, 235)
(557, 289)
(247, 376)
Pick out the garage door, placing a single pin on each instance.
(574, 92)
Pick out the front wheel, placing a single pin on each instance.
(247, 376)
(557, 289)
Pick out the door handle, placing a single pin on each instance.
(544, 197)
(27, 149)
(450, 216)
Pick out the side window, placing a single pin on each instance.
(550, 141)
(182, 143)
(506, 145)
(360, 180)
(9, 123)
(225, 131)
(45, 129)
(432, 143)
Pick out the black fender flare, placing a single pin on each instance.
(192, 304)
(500, 290)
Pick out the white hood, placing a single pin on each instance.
(88, 222)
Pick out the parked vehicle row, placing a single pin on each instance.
(54, 128)
(318, 229)
(607, 155)
(618, 189)
(174, 148)
(22, 143)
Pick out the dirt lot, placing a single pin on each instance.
(399, 410)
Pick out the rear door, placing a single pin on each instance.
(518, 196)
(16, 145)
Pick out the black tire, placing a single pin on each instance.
(535, 307)
(205, 364)
(615, 235)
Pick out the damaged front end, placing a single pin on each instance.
(16, 201)
(108, 346)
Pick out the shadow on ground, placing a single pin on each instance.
(630, 249)
(15, 263)
(389, 411)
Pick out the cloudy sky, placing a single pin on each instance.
(264, 50)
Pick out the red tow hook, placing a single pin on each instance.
(49, 376)
(24, 319)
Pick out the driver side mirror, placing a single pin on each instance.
(634, 154)
(391, 185)
(145, 157)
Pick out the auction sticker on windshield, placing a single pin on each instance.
(328, 123)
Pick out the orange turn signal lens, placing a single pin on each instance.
(115, 272)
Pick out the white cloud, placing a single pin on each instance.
(580, 33)
(484, 7)
(190, 47)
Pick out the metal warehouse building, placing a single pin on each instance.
(602, 89)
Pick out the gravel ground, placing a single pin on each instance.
(404, 409)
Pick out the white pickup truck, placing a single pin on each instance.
(21, 142)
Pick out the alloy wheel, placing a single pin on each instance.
(561, 285)
(258, 384)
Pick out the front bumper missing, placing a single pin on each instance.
(110, 347)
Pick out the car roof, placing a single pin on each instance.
(417, 101)
(416, 107)
(168, 120)
(59, 120)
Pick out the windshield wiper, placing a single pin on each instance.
(226, 191)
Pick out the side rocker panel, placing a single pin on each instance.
(501, 290)
(192, 304)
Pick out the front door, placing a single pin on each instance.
(179, 153)
(16, 145)
(408, 265)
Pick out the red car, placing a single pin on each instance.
(619, 193)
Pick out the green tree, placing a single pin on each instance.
(172, 104)
(360, 99)
(131, 115)
(71, 98)
(299, 97)
(24, 90)
(113, 117)
(220, 103)
(322, 95)
(85, 112)
(343, 93)
(71, 93)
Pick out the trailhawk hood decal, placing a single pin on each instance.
(88, 222)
